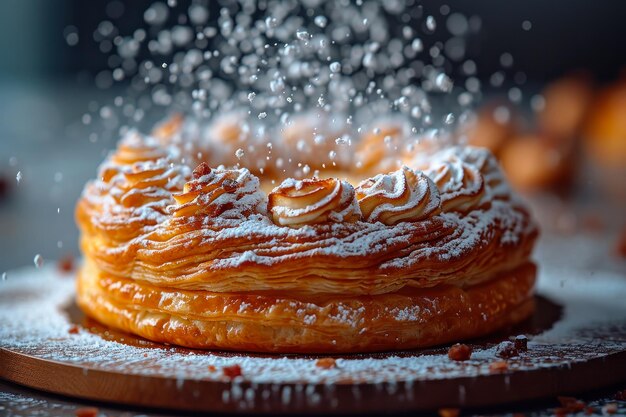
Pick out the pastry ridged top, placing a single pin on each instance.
(151, 217)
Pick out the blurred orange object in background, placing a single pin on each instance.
(605, 132)
(576, 134)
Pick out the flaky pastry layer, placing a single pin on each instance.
(153, 221)
(359, 258)
(275, 322)
(182, 252)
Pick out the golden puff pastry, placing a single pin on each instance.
(279, 322)
(172, 253)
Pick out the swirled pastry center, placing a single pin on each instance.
(311, 201)
(461, 185)
(228, 193)
(403, 195)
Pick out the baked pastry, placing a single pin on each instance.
(534, 162)
(605, 131)
(202, 257)
(547, 159)
(311, 140)
(566, 101)
(544, 156)
(491, 128)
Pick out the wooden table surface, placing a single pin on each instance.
(19, 401)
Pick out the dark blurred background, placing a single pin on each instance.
(49, 104)
(562, 35)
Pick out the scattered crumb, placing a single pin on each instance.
(506, 350)
(521, 343)
(66, 263)
(498, 366)
(232, 371)
(74, 329)
(449, 412)
(569, 405)
(560, 412)
(459, 352)
(87, 412)
(211, 368)
(201, 170)
(326, 363)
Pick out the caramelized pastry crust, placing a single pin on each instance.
(282, 322)
(177, 254)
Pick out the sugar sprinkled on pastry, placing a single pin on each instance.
(403, 195)
(312, 201)
(305, 198)
(315, 257)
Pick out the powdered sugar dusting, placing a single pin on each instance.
(403, 195)
(223, 209)
(298, 203)
(32, 321)
(227, 193)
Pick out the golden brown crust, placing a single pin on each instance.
(228, 258)
(152, 228)
(274, 322)
(230, 245)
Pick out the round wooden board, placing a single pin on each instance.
(578, 343)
